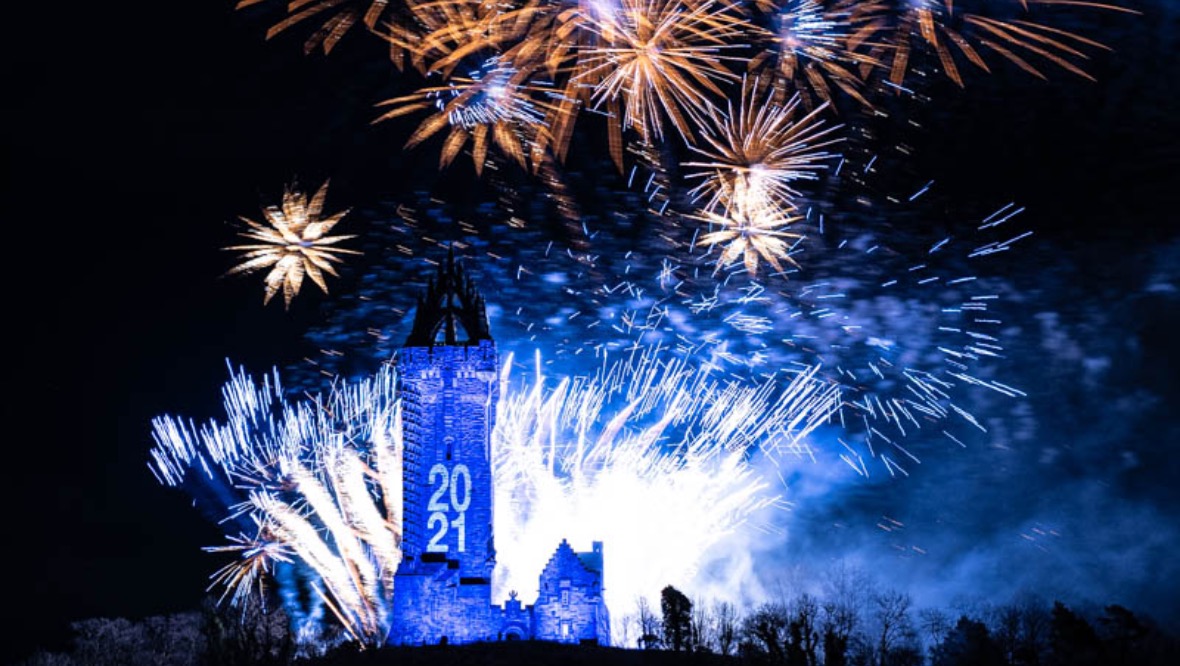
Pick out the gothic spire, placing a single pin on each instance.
(450, 306)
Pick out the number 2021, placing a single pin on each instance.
(439, 507)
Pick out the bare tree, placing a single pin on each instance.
(702, 627)
(253, 634)
(804, 629)
(167, 640)
(1022, 631)
(845, 589)
(725, 627)
(766, 630)
(935, 624)
(627, 629)
(891, 612)
(649, 625)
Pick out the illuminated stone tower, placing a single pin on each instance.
(448, 374)
(449, 386)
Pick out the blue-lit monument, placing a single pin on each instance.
(449, 374)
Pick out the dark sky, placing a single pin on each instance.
(133, 133)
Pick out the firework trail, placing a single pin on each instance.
(808, 47)
(961, 30)
(650, 455)
(900, 303)
(316, 483)
(496, 103)
(341, 16)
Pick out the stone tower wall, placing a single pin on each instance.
(449, 397)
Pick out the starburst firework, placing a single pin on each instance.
(755, 153)
(293, 245)
(750, 232)
(940, 25)
(649, 63)
(661, 58)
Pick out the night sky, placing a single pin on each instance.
(135, 133)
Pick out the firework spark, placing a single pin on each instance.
(810, 47)
(293, 245)
(342, 15)
(752, 233)
(496, 103)
(649, 455)
(317, 482)
(939, 25)
(756, 153)
(661, 57)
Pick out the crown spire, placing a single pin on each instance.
(451, 305)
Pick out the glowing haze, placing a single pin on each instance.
(651, 456)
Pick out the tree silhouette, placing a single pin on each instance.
(765, 632)
(649, 626)
(725, 619)
(969, 643)
(803, 630)
(891, 610)
(1073, 642)
(677, 612)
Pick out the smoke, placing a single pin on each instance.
(1066, 496)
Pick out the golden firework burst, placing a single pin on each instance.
(939, 25)
(660, 58)
(341, 15)
(755, 153)
(292, 243)
(497, 105)
(750, 232)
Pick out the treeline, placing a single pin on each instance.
(863, 626)
(216, 635)
(857, 624)
(851, 623)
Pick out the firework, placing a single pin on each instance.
(495, 105)
(751, 232)
(293, 245)
(660, 58)
(316, 482)
(341, 15)
(444, 34)
(756, 153)
(948, 30)
(809, 48)
(319, 482)
(649, 454)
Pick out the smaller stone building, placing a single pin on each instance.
(570, 607)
